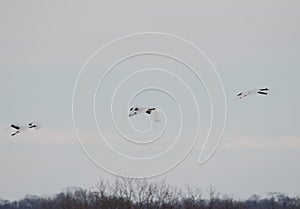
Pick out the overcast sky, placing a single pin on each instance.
(44, 45)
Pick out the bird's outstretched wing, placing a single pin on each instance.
(14, 129)
(15, 126)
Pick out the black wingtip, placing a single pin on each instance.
(264, 89)
(150, 110)
(14, 126)
(263, 93)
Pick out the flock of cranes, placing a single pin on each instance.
(15, 129)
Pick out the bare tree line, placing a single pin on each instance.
(127, 193)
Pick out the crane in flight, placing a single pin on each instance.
(137, 110)
(260, 91)
(17, 129)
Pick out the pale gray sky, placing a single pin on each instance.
(252, 44)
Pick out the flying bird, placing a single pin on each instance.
(17, 129)
(261, 91)
(137, 110)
